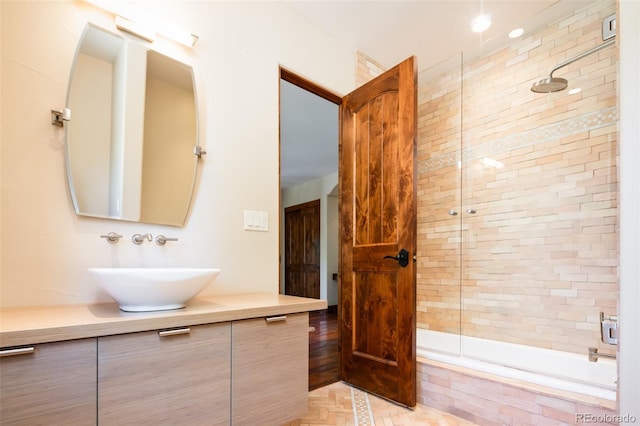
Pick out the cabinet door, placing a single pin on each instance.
(270, 370)
(169, 377)
(55, 384)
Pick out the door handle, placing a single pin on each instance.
(402, 257)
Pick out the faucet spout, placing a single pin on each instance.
(139, 238)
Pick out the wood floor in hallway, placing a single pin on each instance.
(323, 348)
(339, 404)
(332, 402)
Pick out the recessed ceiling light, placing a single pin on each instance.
(516, 33)
(481, 23)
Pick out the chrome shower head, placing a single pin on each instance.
(550, 84)
(556, 84)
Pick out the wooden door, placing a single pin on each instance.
(378, 220)
(302, 250)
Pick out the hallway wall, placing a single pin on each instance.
(319, 189)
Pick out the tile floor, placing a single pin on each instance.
(342, 405)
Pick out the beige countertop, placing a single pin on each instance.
(41, 324)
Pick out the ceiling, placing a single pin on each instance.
(389, 32)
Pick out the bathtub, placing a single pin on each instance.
(555, 369)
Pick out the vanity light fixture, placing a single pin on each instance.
(134, 21)
(140, 30)
(177, 34)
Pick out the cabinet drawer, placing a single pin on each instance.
(177, 377)
(270, 370)
(53, 385)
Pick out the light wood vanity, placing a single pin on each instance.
(229, 360)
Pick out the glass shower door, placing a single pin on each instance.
(539, 192)
(517, 205)
(439, 215)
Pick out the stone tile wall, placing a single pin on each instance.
(538, 260)
(366, 69)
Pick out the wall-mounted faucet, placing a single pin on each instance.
(112, 237)
(139, 238)
(162, 240)
(594, 355)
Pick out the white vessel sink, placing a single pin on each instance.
(153, 289)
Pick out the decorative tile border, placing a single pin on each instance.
(362, 414)
(570, 126)
(341, 404)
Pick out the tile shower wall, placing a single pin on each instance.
(539, 258)
(438, 188)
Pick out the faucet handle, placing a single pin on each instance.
(162, 240)
(112, 237)
(139, 238)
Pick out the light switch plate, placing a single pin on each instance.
(256, 220)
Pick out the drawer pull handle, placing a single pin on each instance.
(174, 332)
(17, 351)
(276, 319)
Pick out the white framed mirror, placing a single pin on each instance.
(130, 143)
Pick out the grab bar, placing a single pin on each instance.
(594, 355)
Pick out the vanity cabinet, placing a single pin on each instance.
(239, 360)
(175, 376)
(270, 369)
(49, 384)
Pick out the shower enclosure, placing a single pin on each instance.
(517, 204)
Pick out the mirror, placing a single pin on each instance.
(133, 129)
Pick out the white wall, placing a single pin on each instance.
(319, 189)
(45, 248)
(629, 312)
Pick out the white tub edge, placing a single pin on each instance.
(545, 367)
